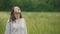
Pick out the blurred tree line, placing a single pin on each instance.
(31, 5)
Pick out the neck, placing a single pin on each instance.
(17, 18)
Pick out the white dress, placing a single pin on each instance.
(14, 28)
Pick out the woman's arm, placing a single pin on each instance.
(24, 26)
(7, 30)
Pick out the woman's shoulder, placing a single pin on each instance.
(8, 21)
(22, 19)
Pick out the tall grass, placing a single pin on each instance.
(37, 22)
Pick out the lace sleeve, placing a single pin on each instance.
(24, 26)
(7, 30)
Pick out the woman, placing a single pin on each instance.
(16, 24)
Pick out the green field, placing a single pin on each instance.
(37, 22)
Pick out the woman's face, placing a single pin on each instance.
(17, 12)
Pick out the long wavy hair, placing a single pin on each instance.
(12, 17)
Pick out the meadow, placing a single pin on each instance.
(37, 22)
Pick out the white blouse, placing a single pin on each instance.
(16, 28)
